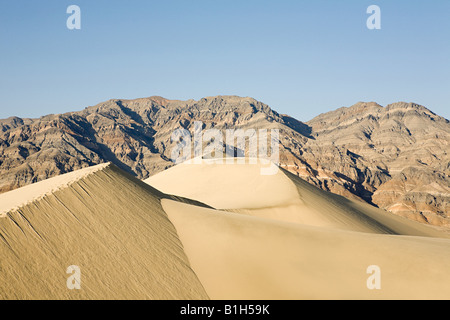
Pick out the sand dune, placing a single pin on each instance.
(305, 244)
(34, 192)
(110, 225)
(225, 186)
(242, 189)
(220, 231)
(242, 257)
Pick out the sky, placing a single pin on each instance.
(302, 58)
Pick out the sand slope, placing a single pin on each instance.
(286, 239)
(226, 186)
(276, 237)
(110, 225)
(243, 257)
(241, 188)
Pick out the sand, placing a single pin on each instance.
(242, 189)
(222, 185)
(243, 257)
(219, 231)
(110, 225)
(304, 243)
(34, 192)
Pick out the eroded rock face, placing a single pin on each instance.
(395, 157)
(401, 152)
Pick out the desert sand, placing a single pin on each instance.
(34, 192)
(107, 223)
(210, 231)
(245, 257)
(297, 242)
(283, 196)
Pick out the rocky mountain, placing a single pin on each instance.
(400, 152)
(395, 157)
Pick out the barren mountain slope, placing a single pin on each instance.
(401, 153)
(395, 157)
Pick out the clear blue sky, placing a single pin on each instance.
(300, 57)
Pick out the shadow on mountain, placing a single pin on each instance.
(298, 126)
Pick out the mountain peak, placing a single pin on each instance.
(159, 100)
(409, 106)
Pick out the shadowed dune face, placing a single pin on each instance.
(112, 227)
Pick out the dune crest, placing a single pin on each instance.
(34, 192)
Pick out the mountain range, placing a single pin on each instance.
(393, 157)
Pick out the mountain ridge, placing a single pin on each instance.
(365, 151)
